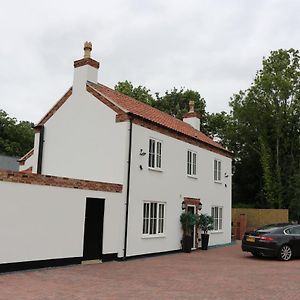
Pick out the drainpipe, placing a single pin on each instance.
(128, 188)
(41, 147)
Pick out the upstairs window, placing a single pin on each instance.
(154, 161)
(191, 163)
(217, 170)
(153, 218)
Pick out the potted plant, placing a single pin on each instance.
(205, 223)
(188, 221)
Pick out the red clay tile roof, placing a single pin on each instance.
(152, 114)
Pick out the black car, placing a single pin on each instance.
(277, 240)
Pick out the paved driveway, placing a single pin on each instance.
(220, 273)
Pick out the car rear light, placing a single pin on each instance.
(266, 238)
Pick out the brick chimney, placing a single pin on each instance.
(192, 117)
(85, 69)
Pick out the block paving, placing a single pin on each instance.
(219, 273)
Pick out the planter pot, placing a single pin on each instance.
(204, 241)
(187, 243)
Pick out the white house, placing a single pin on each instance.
(144, 163)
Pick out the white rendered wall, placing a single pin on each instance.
(81, 75)
(40, 222)
(34, 157)
(193, 121)
(171, 186)
(82, 140)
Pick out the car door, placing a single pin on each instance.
(295, 232)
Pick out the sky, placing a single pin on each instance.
(214, 47)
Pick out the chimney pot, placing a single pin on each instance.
(87, 49)
(192, 105)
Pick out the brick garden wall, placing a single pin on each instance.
(38, 179)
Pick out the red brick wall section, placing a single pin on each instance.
(121, 117)
(191, 115)
(86, 61)
(192, 201)
(18, 177)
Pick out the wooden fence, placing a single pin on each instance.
(245, 219)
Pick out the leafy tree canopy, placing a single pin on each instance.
(266, 118)
(16, 138)
(139, 93)
(176, 102)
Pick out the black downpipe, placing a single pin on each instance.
(41, 147)
(128, 188)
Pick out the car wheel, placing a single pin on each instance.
(285, 252)
(256, 254)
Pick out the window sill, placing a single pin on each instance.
(218, 181)
(153, 236)
(155, 169)
(192, 176)
(216, 231)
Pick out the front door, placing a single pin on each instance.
(192, 209)
(93, 229)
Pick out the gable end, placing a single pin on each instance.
(55, 108)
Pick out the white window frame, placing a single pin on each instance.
(191, 167)
(154, 219)
(155, 154)
(217, 170)
(217, 214)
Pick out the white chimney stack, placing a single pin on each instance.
(85, 69)
(192, 117)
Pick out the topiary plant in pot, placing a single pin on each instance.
(188, 221)
(205, 223)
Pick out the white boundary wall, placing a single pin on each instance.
(43, 222)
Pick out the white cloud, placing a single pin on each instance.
(214, 47)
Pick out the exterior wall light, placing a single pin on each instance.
(200, 206)
(183, 205)
(142, 153)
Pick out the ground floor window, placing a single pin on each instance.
(217, 214)
(153, 218)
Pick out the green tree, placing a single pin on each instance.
(267, 123)
(221, 126)
(140, 93)
(16, 138)
(294, 189)
(176, 103)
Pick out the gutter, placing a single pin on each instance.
(128, 189)
(41, 147)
